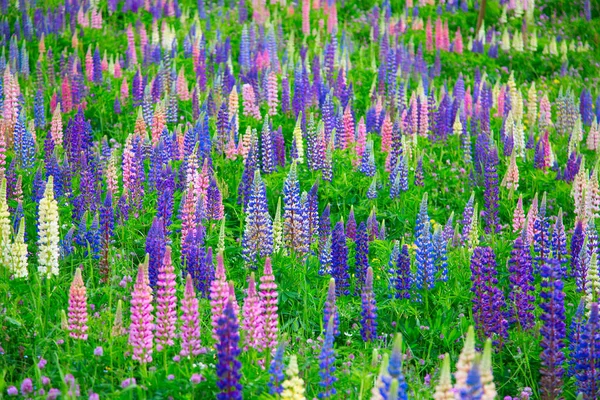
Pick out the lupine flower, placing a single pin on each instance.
(155, 247)
(339, 265)
(575, 331)
(327, 363)
(330, 310)
(5, 230)
(190, 321)
(228, 365)
(488, 299)
(219, 293)
(587, 357)
(78, 308)
(393, 384)
(465, 360)
(253, 318)
(443, 390)
(18, 253)
(117, 328)
(293, 386)
(521, 284)
(258, 233)
(553, 330)
(276, 371)
(578, 268)
(369, 309)
(48, 249)
(361, 256)
(492, 222)
(294, 218)
(141, 334)
(268, 295)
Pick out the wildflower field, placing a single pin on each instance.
(299, 199)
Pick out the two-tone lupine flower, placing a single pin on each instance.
(190, 321)
(18, 253)
(488, 299)
(553, 330)
(393, 384)
(440, 247)
(587, 357)
(253, 318)
(269, 299)
(465, 360)
(293, 386)
(473, 388)
(258, 233)
(228, 351)
(294, 233)
(444, 389)
(166, 303)
(339, 263)
(48, 239)
(369, 309)
(327, 364)
(276, 371)
(78, 316)
(521, 296)
(141, 335)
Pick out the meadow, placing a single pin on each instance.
(299, 199)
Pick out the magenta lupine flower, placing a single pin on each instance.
(141, 334)
(253, 318)
(219, 293)
(78, 308)
(166, 303)
(268, 296)
(190, 321)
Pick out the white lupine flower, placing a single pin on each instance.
(48, 250)
(5, 230)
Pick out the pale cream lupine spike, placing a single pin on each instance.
(375, 391)
(48, 250)
(5, 227)
(465, 359)
(485, 369)
(19, 253)
(293, 386)
(443, 390)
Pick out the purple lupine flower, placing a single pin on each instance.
(369, 309)
(361, 257)
(468, 218)
(267, 148)
(575, 331)
(258, 233)
(559, 243)
(577, 266)
(491, 193)
(403, 278)
(587, 364)
(586, 107)
(351, 225)
(425, 260)
(155, 247)
(541, 235)
(324, 227)
(327, 364)
(521, 298)
(419, 174)
(553, 330)
(276, 371)
(488, 299)
(228, 365)
(312, 211)
(339, 264)
(394, 373)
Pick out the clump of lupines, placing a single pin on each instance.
(488, 299)
(78, 316)
(553, 330)
(228, 365)
(141, 335)
(48, 249)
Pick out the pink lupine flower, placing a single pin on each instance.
(89, 64)
(124, 89)
(306, 17)
(458, 42)
(348, 121)
(141, 328)
(361, 141)
(78, 308)
(219, 293)
(511, 179)
(159, 121)
(118, 73)
(519, 216)
(253, 318)
(190, 321)
(67, 102)
(249, 102)
(268, 295)
(166, 303)
(272, 97)
(428, 35)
